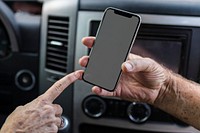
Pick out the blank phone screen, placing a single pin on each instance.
(114, 39)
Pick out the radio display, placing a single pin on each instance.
(166, 52)
(163, 45)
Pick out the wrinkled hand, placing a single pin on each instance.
(142, 79)
(40, 115)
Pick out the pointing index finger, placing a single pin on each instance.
(58, 87)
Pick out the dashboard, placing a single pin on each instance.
(40, 42)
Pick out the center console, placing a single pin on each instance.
(167, 39)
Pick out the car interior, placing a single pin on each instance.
(40, 42)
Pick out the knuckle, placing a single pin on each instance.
(53, 128)
(134, 63)
(70, 79)
(48, 109)
(58, 86)
(150, 61)
(58, 106)
(19, 107)
(42, 101)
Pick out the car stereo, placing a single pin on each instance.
(160, 43)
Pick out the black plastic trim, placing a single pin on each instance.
(168, 7)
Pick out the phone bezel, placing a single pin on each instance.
(125, 14)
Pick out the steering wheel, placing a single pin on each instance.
(9, 30)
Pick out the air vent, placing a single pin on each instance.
(57, 43)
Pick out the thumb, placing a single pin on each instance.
(138, 65)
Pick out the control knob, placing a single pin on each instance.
(94, 106)
(138, 112)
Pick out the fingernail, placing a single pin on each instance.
(77, 74)
(128, 66)
(90, 40)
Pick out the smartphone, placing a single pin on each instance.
(114, 39)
